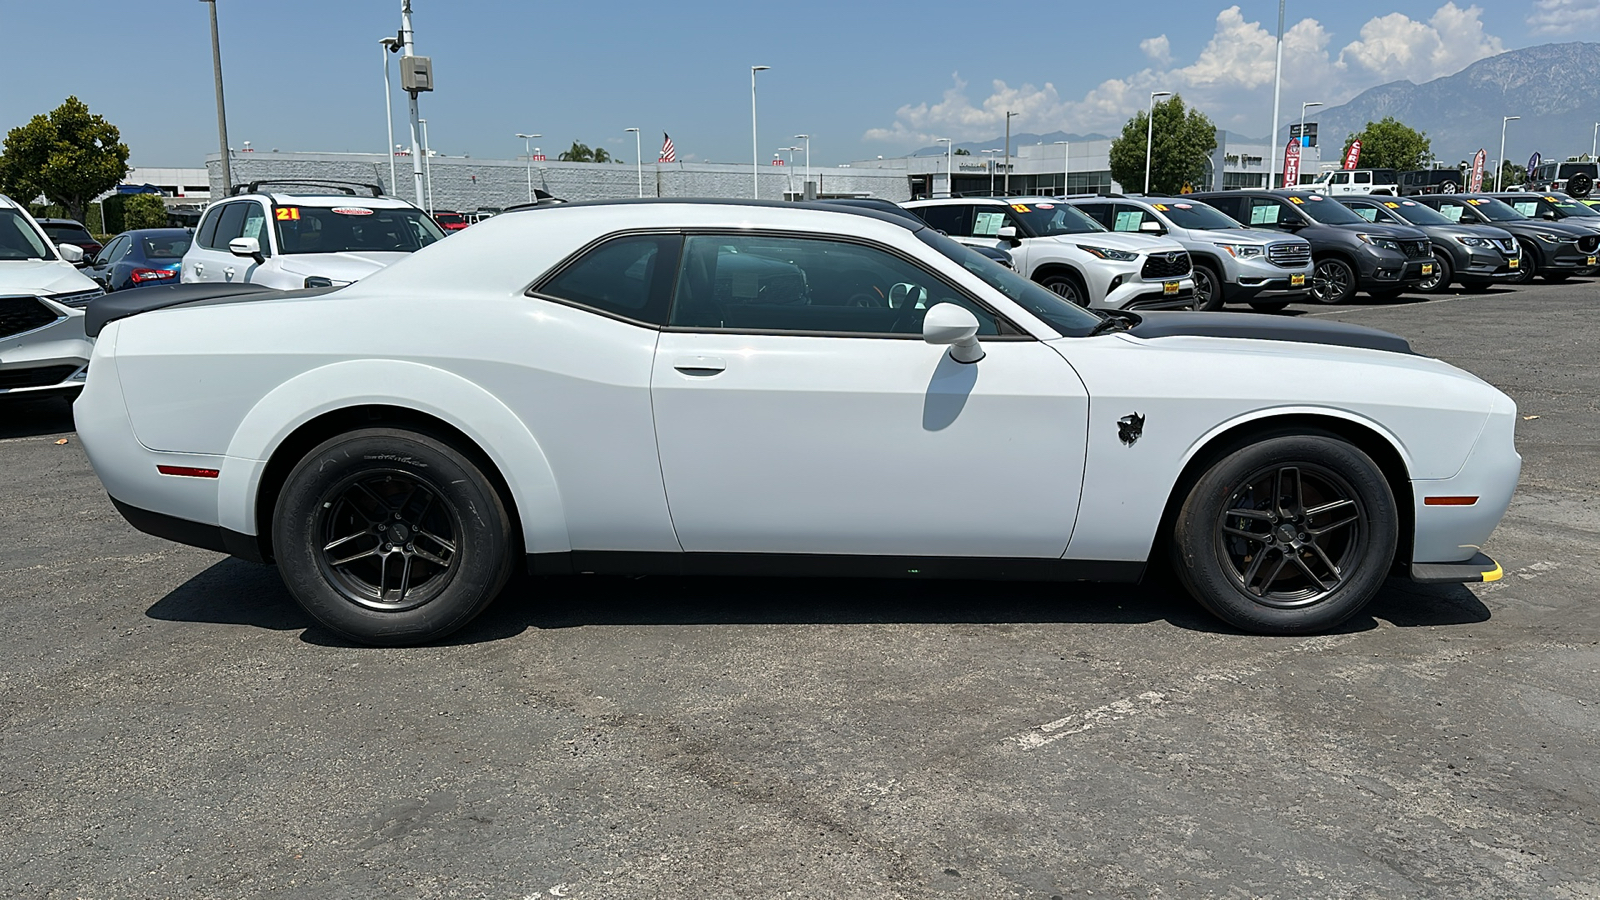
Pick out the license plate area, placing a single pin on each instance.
(1169, 288)
(1427, 268)
(1297, 281)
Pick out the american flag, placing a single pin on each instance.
(668, 152)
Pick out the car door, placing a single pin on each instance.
(208, 260)
(100, 268)
(798, 410)
(1361, 182)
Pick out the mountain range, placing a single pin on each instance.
(1017, 140)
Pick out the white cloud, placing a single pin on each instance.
(1160, 49)
(1564, 16)
(1231, 78)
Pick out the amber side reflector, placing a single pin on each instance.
(1449, 501)
(188, 471)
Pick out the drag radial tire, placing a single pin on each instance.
(1291, 534)
(391, 537)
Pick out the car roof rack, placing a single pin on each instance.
(343, 187)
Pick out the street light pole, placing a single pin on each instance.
(1501, 168)
(222, 113)
(426, 164)
(1277, 92)
(1066, 166)
(638, 157)
(390, 45)
(1009, 114)
(1150, 134)
(755, 149)
(807, 179)
(1594, 140)
(409, 45)
(991, 153)
(949, 170)
(1303, 108)
(527, 151)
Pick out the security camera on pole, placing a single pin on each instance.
(416, 76)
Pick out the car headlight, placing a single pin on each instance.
(1474, 241)
(1381, 242)
(1244, 251)
(1109, 253)
(77, 298)
(1555, 238)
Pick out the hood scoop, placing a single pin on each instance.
(1255, 327)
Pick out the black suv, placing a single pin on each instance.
(1348, 252)
(1475, 255)
(1430, 181)
(1556, 250)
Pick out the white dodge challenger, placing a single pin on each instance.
(715, 386)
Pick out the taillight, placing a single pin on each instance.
(140, 276)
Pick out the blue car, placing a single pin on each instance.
(140, 258)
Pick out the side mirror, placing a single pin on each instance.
(947, 323)
(1008, 233)
(246, 247)
(1152, 227)
(72, 253)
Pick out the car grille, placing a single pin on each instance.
(1416, 249)
(1289, 256)
(1507, 246)
(40, 376)
(1166, 265)
(1590, 243)
(19, 314)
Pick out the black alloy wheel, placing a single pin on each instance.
(1287, 535)
(1207, 289)
(1528, 267)
(391, 537)
(1443, 272)
(1332, 281)
(1067, 287)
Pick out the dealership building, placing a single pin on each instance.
(467, 184)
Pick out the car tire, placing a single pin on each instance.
(1529, 266)
(1449, 187)
(1211, 298)
(1269, 306)
(367, 512)
(1332, 281)
(1439, 281)
(1313, 507)
(1068, 286)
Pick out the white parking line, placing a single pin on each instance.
(1345, 309)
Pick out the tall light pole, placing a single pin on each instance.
(991, 169)
(390, 45)
(755, 149)
(1303, 108)
(409, 48)
(807, 179)
(527, 151)
(426, 164)
(1150, 134)
(222, 113)
(1277, 91)
(638, 157)
(1594, 140)
(1009, 114)
(788, 173)
(1501, 167)
(1066, 166)
(949, 166)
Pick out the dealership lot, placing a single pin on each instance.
(175, 726)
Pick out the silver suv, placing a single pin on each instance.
(1232, 263)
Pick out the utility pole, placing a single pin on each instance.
(1277, 87)
(408, 41)
(1008, 152)
(222, 112)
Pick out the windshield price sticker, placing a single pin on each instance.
(288, 213)
(1297, 201)
(352, 211)
(1391, 204)
(1019, 207)
(1162, 207)
(1551, 199)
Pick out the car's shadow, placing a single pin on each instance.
(33, 417)
(234, 592)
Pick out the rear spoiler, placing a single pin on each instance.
(102, 311)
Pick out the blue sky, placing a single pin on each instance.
(863, 78)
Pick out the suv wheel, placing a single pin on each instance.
(1207, 288)
(1449, 187)
(1439, 281)
(1068, 286)
(1333, 281)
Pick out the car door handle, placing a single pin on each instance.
(700, 366)
(228, 273)
(199, 268)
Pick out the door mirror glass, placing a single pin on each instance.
(245, 246)
(70, 252)
(952, 325)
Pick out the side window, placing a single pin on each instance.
(1264, 212)
(630, 277)
(208, 228)
(1129, 218)
(1100, 212)
(806, 285)
(1363, 177)
(1341, 178)
(988, 220)
(126, 248)
(255, 226)
(1365, 212)
(1451, 211)
(111, 251)
(952, 218)
(230, 224)
(1230, 207)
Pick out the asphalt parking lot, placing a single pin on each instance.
(174, 726)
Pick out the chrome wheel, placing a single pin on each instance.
(1332, 281)
(388, 542)
(1290, 536)
(1439, 280)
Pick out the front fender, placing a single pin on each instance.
(496, 430)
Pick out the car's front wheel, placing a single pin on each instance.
(1287, 535)
(391, 537)
(1067, 286)
(1333, 281)
(1528, 267)
(1439, 281)
(1207, 288)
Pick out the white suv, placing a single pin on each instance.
(1059, 247)
(289, 240)
(42, 343)
(1333, 182)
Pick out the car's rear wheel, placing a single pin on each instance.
(1439, 281)
(1207, 288)
(391, 537)
(1287, 535)
(1333, 281)
(1449, 187)
(1067, 286)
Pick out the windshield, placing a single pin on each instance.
(1328, 212)
(1068, 319)
(68, 233)
(1047, 219)
(18, 239)
(1197, 216)
(1572, 207)
(1495, 211)
(165, 246)
(1416, 213)
(338, 229)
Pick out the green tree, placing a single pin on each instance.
(69, 155)
(1184, 139)
(962, 152)
(581, 152)
(144, 211)
(1391, 144)
(1510, 174)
